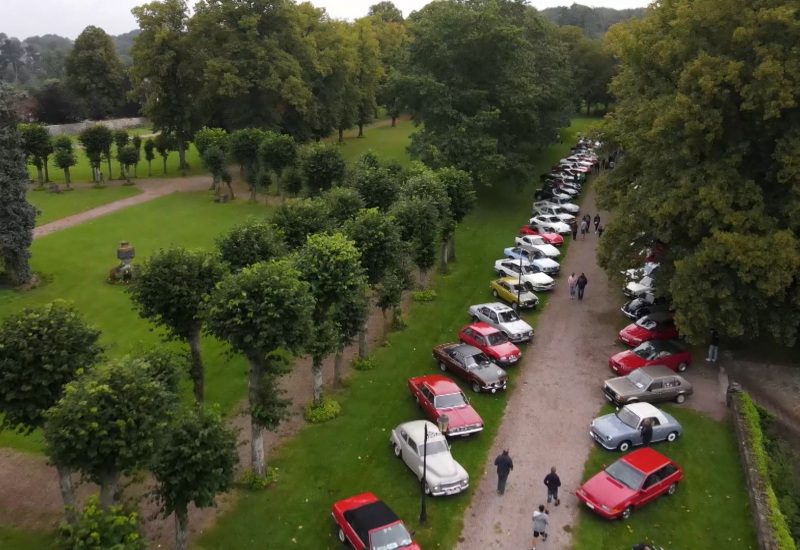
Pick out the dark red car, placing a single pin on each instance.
(366, 522)
(671, 353)
(550, 238)
(490, 341)
(656, 326)
(629, 483)
(437, 395)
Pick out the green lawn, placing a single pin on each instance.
(56, 206)
(389, 143)
(18, 539)
(709, 510)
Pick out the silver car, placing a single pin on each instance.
(622, 430)
(443, 476)
(504, 319)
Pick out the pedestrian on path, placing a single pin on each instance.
(552, 482)
(596, 222)
(584, 229)
(713, 347)
(581, 284)
(572, 280)
(647, 432)
(539, 525)
(574, 226)
(504, 466)
(599, 231)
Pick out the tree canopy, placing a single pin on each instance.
(94, 72)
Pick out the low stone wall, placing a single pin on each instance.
(116, 124)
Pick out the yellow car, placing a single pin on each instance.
(507, 289)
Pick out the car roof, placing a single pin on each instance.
(643, 410)
(646, 460)
(440, 385)
(659, 316)
(465, 349)
(514, 261)
(494, 306)
(482, 328)
(416, 429)
(510, 280)
(657, 371)
(369, 517)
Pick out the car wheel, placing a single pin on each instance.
(342, 538)
(626, 513)
(682, 366)
(672, 436)
(398, 452)
(476, 387)
(680, 398)
(624, 446)
(442, 366)
(494, 293)
(672, 488)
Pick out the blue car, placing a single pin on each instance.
(535, 257)
(622, 430)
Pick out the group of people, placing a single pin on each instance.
(586, 223)
(504, 465)
(577, 285)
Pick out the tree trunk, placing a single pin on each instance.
(337, 368)
(230, 188)
(67, 493)
(197, 365)
(360, 130)
(255, 378)
(149, 168)
(17, 267)
(181, 522)
(182, 155)
(279, 185)
(383, 334)
(66, 177)
(46, 171)
(341, 135)
(110, 175)
(363, 351)
(394, 121)
(165, 164)
(451, 255)
(122, 172)
(39, 175)
(136, 169)
(108, 489)
(319, 381)
(444, 255)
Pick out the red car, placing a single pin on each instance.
(671, 353)
(490, 341)
(630, 483)
(437, 395)
(550, 238)
(366, 523)
(656, 326)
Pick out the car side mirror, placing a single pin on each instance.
(604, 466)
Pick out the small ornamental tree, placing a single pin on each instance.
(389, 292)
(245, 146)
(298, 219)
(293, 181)
(194, 464)
(322, 165)
(136, 141)
(418, 220)
(64, 157)
(208, 137)
(461, 191)
(169, 291)
(259, 310)
(215, 160)
(38, 147)
(149, 154)
(343, 203)
(127, 156)
(250, 242)
(164, 144)
(277, 153)
(43, 349)
(121, 139)
(426, 186)
(103, 528)
(109, 422)
(96, 140)
(377, 185)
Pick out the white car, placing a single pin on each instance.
(504, 319)
(538, 243)
(555, 211)
(443, 475)
(634, 289)
(574, 160)
(637, 273)
(531, 274)
(551, 221)
(565, 204)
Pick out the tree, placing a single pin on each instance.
(101, 528)
(169, 292)
(250, 242)
(298, 219)
(164, 144)
(386, 12)
(207, 137)
(331, 266)
(94, 72)
(96, 140)
(109, 422)
(165, 71)
(418, 220)
(245, 145)
(38, 147)
(17, 216)
(389, 292)
(195, 463)
(459, 188)
(322, 164)
(136, 142)
(392, 93)
(258, 311)
(44, 348)
(707, 116)
(56, 104)
(370, 72)
(425, 185)
(342, 204)
(592, 65)
(378, 186)
(127, 156)
(121, 139)
(277, 153)
(64, 157)
(213, 145)
(149, 146)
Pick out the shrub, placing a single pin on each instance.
(100, 529)
(255, 482)
(423, 295)
(328, 409)
(364, 364)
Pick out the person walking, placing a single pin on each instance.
(647, 431)
(504, 466)
(539, 525)
(599, 231)
(574, 226)
(713, 347)
(584, 229)
(596, 222)
(581, 284)
(572, 280)
(552, 482)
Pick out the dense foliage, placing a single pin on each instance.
(593, 22)
(102, 528)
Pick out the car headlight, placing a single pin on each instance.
(606, 508)
(436, 487)
(608, 438)
(617, 396)
(465, 482)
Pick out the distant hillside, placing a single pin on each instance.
(594, 21)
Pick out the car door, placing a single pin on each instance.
(480, 341)
(651, 489)
(655, 391)
(468, 336)
(659, 430)
(493, 320)
(672, 387)
(427, 402)
(411, 455)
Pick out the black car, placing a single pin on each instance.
(644, 305)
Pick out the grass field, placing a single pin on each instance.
(56, 206)
(709, 510)
(18, 539)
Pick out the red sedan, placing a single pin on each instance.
(656, 326)
(366, 522)
(550, 238)
(671, 353)
(629, 483)
(490, 341)
(437, 395)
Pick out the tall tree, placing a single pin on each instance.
(277, 153)
(170, 290)
(44, 348)
(250, 242)
(165, 71)
(38, 147)
(386, 12)
(708, 115)
(259, 310)
(17, 216)
(322, 165)
(370, 72)
(56, 103)
(96, 140)
(94, 72)
(64, 157)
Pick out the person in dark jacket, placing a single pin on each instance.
(574, 227)
(552, 482)
(581, 284)
(596, 222)
(504, 466)
(647, 431)
(713, 347)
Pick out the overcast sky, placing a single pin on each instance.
(24, 18)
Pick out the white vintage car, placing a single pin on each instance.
(565, 204)
(531, 274)
(444, 476)
(551, 221)
(539, 244)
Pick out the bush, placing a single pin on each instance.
(255, 482)
(328, 409)
(423, 295)
(101, 529)
(364, 364)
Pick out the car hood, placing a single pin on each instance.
(444, 467)
(570, 207)
(637, 288)
(528, 296)
(505, 350)
(604, 491)
(623, 387)
(609, 424)
(517, 327)
(489, 373)
(462, 416)
(628, 359)
(537, 278)
(635, 305)
(546, 263)
(636, 332)
(549, 249)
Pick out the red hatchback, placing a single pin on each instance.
(550, 238)
(671, 353)
(437, 395)
(629, 483)
(365, 522)
(657, 326)
(490, 341)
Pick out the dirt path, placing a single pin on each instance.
(556, 397)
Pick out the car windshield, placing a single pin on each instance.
(639, 379)
(450, 401)
(508, 316)
(390, 537)
(646, 351)
(646, 323)
(625, 474)
(628, 417)
(474, 361)
(436, 447)
(646, 281)
(497, 338)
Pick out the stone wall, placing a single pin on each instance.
(116, 124)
